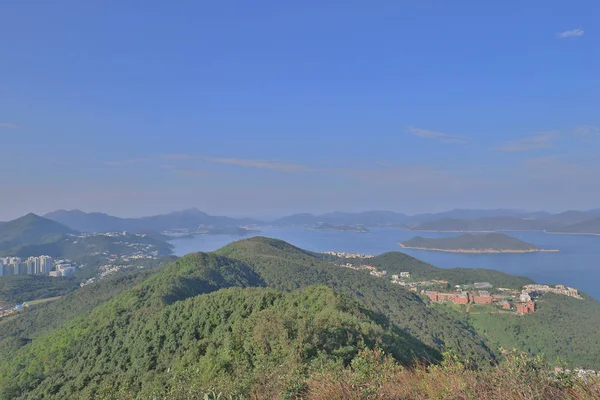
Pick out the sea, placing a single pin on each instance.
(577, 264)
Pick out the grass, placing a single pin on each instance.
(41, 301)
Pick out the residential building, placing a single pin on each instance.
(46, 263)
(524, 297)
(482, 285)
(526, 308)
(483, 298)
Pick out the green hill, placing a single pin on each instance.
(586, 227)
(259, 314)
(21, 288)
(467, 243)
(396, 262)
(190, 219)
(285, 267)
(561, 327)
(121, 334)
(30, 229)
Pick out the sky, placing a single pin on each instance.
(268, 108)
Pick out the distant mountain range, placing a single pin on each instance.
(460, 220)
(368, 218)
(567, 222)
(586, 227)
(191, 219)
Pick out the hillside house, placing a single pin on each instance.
(526, 308)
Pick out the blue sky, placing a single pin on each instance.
(269, 107)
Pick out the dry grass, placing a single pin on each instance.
(520, 378)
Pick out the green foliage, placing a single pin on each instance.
(286, 267)
(22, 288)
(561, 327)
(208, 340)
(396, 262)
(30, 229)
(257, 319)
(86, 249)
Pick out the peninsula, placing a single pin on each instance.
(477, 244)
(331, 227)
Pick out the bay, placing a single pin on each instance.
(577, 263)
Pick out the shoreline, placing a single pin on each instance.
(338, 230)
(487, 251)
(507, 230)
(572, 233)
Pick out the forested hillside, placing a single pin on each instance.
(259, 318)
(30, 229)
(21, 288)
(561, 328)
(396, 262)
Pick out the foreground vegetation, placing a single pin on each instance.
(263, 319)
(561, 328)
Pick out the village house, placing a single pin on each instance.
(483, 298)
(524, 297)
(526, 308)
(482, 285)
(378, 274)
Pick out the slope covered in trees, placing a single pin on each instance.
(286, 267)
(257, 318)
(21, 288)
(396, 262)
(561, 328)
(30, 229)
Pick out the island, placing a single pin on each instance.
(469, 243)
(330, 227)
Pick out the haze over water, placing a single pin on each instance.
(576, 265)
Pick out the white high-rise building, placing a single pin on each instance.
(46, 263)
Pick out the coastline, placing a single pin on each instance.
(496, 231)
(572, 233)
(505, 230)
(338, 230)
(486, 251)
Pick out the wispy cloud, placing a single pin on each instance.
(9, 125)
(260, 164)
(433, 135)
(571, 33)
(540, 140)
(126, 162)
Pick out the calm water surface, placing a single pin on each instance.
(577, 264)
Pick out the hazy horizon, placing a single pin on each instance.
(267, 218)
